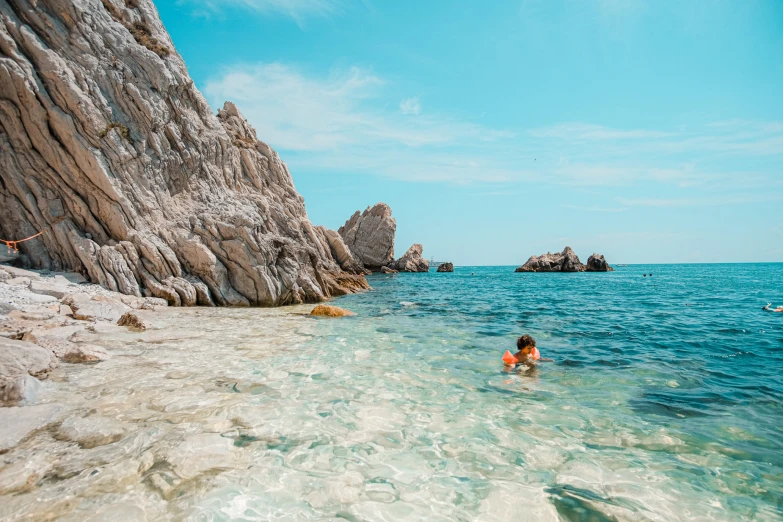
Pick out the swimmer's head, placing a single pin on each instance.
(525, 344)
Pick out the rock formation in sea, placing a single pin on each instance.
(446, 267)
(597, 263)
(369, 235)
(565, 261)
(412, 261)
(108, 147)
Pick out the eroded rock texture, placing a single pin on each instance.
(565, 261)
(369, 235)
(446, 267)
(105, 139)
(597, 263)
(412, 261)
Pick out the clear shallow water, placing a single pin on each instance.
(664, 402)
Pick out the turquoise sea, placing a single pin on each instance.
(664, 400)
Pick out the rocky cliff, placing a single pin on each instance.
(105, 139)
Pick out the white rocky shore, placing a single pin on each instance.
(108, 422)
(48, 318)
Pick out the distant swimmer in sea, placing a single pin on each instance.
(527, 353)
(769, 308)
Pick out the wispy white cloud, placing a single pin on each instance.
(410, 106)
(297, 112)
(353, 120)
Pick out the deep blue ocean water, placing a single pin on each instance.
(664, 400)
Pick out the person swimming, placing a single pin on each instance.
(527, 352)
(769, 308)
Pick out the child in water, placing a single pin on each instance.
(527, 352)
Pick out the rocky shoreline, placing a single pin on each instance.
(48, 319)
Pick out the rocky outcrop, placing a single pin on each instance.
(412, 261)
(565, 261)
(107, 146)
(370, 236)
(330, 311)
(597, 263)
(387, 270)
(333, 242)
(446, 267)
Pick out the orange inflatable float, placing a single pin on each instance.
(508, 357)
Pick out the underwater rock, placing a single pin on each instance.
(17, 422)
(23, 474)
(565, 261)
(90, 432)
(201, 453)
(19, 359)
(446, 267)
(330, 311)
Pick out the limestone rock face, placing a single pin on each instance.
(565, 261)
(370, 236)
(412, 261)
(597, 263)
(446, 267)
(108, 147)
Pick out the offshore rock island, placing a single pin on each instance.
(565, 261)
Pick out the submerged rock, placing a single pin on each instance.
(446, 267)
(370, 236)
(597, 263)
(565, 261)
(16, 423)
(90, 432)
(24, 474)
(110, 149)
(18, 361)
(412, 261)
(330, 311)
(201, 453)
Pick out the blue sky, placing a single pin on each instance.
(647, 131)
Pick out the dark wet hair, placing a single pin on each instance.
(524, 341)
